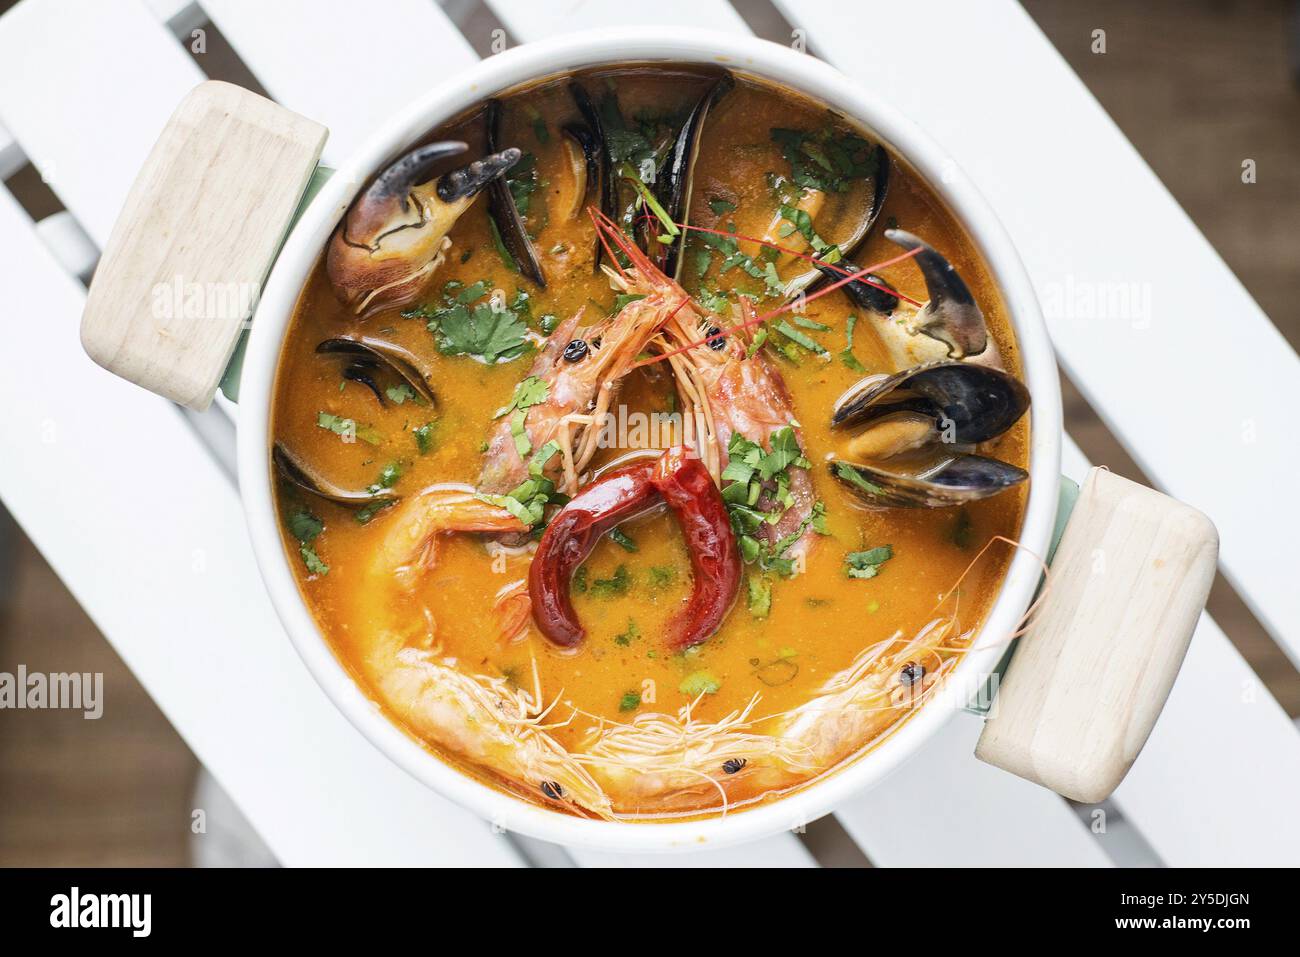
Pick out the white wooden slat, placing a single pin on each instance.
(780, 850)
(943, 808)
(85, 88)
(536, 19)
(1222, 764)
(74, 250)
(159, 557)
(347, 65)
(1188, 375)
(11, 155)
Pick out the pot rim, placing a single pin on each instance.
(559, 55)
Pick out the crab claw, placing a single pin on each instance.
(394, 235)
(951, 316)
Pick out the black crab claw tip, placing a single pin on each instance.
(952, 315)
(468, 180)
(413, 168)
(941, 279)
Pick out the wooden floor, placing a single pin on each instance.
(1198, 85)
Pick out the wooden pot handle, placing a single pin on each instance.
(196, 237)
(1090, 675)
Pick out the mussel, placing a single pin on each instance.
(364, 356)
(672, 181)
(394, 235)
(914, 431)
(846, 226)
(297, 472)
(503, 210)
(675, 186)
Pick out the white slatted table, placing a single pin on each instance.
(1218, 762)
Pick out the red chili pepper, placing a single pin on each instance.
(571, 536)
(687, 487)
(679, 478)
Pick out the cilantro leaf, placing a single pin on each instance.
(306, 528)
(424, 437)
(698, 683)
(620, 538)
(348, 429)
(826, 160)
(867, 564)
(618, 585)
(760, 596)
(849, 474)
(846, 354)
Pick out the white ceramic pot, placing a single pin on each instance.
(522, 65)
(519, 65)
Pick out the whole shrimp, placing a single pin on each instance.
(724, 391)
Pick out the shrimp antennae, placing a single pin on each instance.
(759, 320)
(808, 257)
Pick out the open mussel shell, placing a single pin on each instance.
(954, 481)
(971, 403)
(505, 213)
(605, 169)
(296, 472)
(678, 180)
(364, 354)
(848, 241)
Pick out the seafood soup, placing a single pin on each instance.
(650, 442)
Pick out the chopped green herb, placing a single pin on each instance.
(721, 207)
(867, 564)
(620, 538)
(523, 445)
(522, 180)
(849, 474)
(529, 392)
(760, 596)
(661, 576)
(649, 200)
(846, 354)
(364, 515)
(622, 300)
(804, 322)
(579, 583)
(625, 639)
(388, 477)
(795, 336)
(527, 501)
(798, 219)
(826, 160)
(698, 683)
(499, 244)
(734, 258)
(348, 429)
(306, 527)
(630, 701)
(618, 585)
(401, 392)
(463, 325)
(424, 437)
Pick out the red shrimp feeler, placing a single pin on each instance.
(677, 478)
